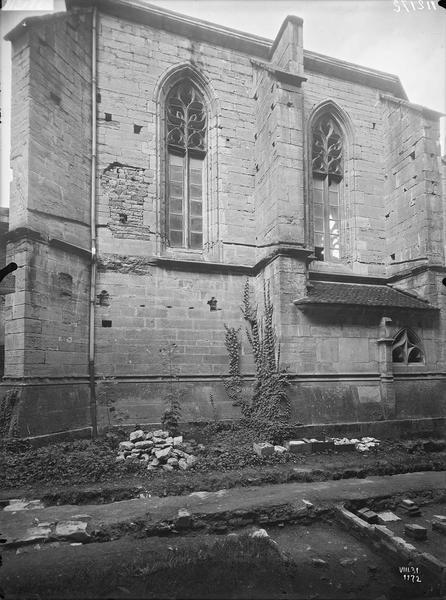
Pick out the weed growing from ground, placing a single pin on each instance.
(172, 400)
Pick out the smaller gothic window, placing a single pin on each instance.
(406, 348)
(327, 186)
(186, 151)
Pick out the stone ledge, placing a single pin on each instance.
(280, 74)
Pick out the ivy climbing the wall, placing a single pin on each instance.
(269, 401)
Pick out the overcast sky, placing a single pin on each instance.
(380, 34)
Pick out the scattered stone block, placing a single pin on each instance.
(344, 445)
(368, 515)
(178, 440)
(120, 458)
(73, 531)
(387, 516)
(440, 518)
(137, 436)
(299, 447)
(410, 507)
(169, 440)
(132, 457)
(309, 505)
(182, 464)
(280, 449)
(263, 449)
(172, 461)
(416, 532)
(259, 533)
(167, 467)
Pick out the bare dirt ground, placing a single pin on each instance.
(315, 561)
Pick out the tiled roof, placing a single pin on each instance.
(322, 292)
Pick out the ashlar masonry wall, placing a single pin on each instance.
(46, 331)
(257, 226)
(151, 303)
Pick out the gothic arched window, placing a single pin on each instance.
(327, 170)
(406, 348)
(186, 122)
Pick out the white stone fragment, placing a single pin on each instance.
(259, 533)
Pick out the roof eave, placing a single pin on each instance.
(250, 44)
(303, 302)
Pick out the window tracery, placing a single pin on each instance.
(406, 348)
(327, 169)
(186, 122)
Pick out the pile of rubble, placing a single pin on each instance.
(159, 450)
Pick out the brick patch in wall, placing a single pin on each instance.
(126, 188)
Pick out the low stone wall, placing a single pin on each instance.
(348, 408)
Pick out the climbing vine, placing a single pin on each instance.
(269, 401)
(172, 400)
(234, 383)
(8, 413)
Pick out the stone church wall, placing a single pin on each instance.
(257, 227)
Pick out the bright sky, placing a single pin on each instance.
(387, 35)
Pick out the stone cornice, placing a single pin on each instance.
(28, 234)
(153, 16)
(426, 112)
(333, 67)
(279, 74)
(201, 266)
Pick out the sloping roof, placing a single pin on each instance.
(353, 294)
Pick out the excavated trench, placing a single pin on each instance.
(323, 557)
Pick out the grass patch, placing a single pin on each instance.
(231, 567)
